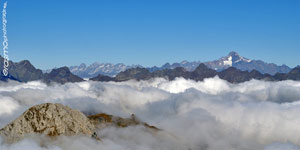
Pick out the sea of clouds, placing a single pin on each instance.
(208, 115)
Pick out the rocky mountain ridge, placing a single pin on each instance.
(231, 74)
(24, 71)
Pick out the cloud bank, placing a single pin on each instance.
(208, 115)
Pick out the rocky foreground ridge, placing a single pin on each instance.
(56, 119)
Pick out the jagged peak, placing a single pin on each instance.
(233, 53)
(202, 65)
(25, 62)
(62, 70)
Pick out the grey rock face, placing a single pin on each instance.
(22, 71)
(61, 75)
(49, 119)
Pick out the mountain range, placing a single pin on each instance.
(231, 74)
(94, 69)
(24, 71)
(233, 59)
(232, 68)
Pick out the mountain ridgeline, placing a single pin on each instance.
(233, 59)
(231, 74)
(24, 71)
(94, 69)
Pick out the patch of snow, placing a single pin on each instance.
(242, 59)
(74, 69)
(228, 61)
(184, 62)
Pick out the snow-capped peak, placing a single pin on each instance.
(235, 57)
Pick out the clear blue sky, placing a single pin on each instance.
(53, 33)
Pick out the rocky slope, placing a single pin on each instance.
(49, 119)
(56, 119)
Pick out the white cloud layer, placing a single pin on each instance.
(208, 115)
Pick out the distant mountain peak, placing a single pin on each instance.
(82, 65)
(233, 57)
(61, 75)
(233, 53)
(202, 66)
(166, 65)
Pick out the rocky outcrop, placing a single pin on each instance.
(56, 119)
(49, 119)
(104, 120)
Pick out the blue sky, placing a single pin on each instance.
(54, 33)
